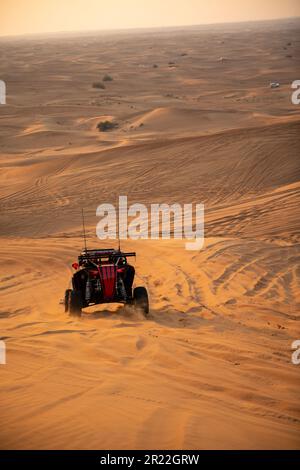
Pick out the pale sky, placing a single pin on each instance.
(39, 16)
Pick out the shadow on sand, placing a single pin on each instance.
(168, 317)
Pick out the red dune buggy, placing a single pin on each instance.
(104, 276)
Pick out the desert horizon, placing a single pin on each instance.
(190, 114)
(56, 16)
(146, 29)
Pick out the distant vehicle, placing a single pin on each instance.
(104, 276)
(274, 85)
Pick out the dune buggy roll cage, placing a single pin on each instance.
(113, 255)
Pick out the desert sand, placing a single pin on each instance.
(197, 122)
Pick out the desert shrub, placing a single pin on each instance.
(104, 126)
(107, 78)
(99, 85)
(155, 66)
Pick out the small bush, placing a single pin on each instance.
(107, 78)
(155, 66)
(99, 85)
(104, 126)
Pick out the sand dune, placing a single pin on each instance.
(171, 121)
(211, 366)
(213, 357)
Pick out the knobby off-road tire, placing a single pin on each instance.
(141, 300)
(74, 303)
(67, 300)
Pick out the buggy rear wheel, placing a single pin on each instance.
(74, 302)
(67, 300)
(140, 299)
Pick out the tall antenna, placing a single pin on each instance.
(83, 230)
(119, 242)
(118, 225)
